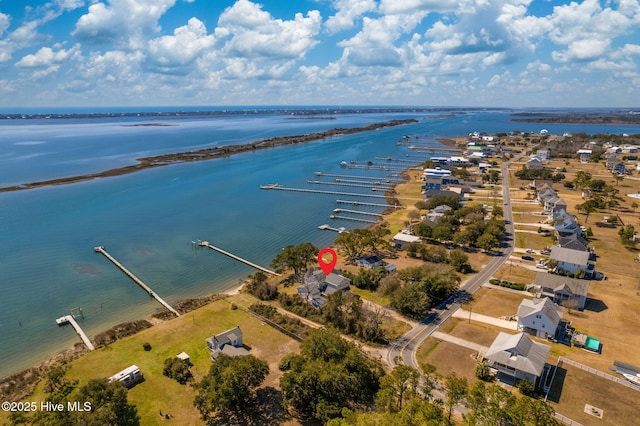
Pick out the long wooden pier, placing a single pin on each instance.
(320, 191)
(362, 203)
(357, 212)
(356, 219)
(360, 177)
(238, 258)
(354, 185)
(100, 249)
(71, 320)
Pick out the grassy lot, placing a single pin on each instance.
(580, 387)
(496, 303)
(512, 271)
(187, 333)
(476, 332)
(448, 358)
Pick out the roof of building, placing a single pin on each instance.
(519, 352)
(567, 255)
(369, 259)
(574, 242)
(338, 281)
(544, 306)
(226, 337)
(405, 238)
(558, 283)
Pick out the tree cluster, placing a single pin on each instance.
(418, 289)
(328, 375)
(229, 387)
(359, 242)
(260, 287)
(177, 369)
(296, 258)
(543, 173)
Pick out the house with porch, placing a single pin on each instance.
(516, 357)
(228, 342)
(539, 317)
(577, 262)
(317, 286)
(564, 291)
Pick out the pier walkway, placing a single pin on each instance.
(357, 212)
(100, 249)
(238, 258)
(320, 191)
(361, 177)
(362, 203)
(355, 185)
(71, 320)
(355, 219)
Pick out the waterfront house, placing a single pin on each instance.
(539, 317)
(517, 357)
(564, 291)
(228, 342)
(317, 286)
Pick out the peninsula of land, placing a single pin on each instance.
(628, 118)
(206, 154)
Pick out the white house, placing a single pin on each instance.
(539, 317)
(534, 164)
(573, 261)
(562, 290)
(228, 342)
(369, 262)
(402, 239)
(585, 155)
(517, 357)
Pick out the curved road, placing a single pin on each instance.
(404, 349)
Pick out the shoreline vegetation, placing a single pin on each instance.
(578, 118)
(144, 163)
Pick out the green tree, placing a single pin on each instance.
(109, 405)
(177, 369)
(398, 388)
(230, 385)
(460, 261)
(626, 234)
(297, 258)
(487, 241)
(634, 206)
(261, 288)
(353, 243)
(482, 371)
(457, 389)
(328, 375)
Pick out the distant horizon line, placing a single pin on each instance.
(192, 109)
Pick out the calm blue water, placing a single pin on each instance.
(147, 220)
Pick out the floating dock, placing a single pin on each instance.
(100, 249)
(69, 319)
(233, 256)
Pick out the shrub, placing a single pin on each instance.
(177, 369)
(146, 346)
(526, 388)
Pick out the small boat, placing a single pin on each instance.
(635, 379)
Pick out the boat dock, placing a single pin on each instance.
(320, 191)
(362, 203)
(355, 185)
(357, 212)
(69, 319)
(360, 177)
(326, 227)
(432, 149)
(233, 256)
(100, 249)
(356, 219)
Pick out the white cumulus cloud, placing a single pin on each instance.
(348, 12)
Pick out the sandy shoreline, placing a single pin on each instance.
(144, 163)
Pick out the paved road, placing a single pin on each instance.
(403, 351)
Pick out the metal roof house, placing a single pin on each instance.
(517, 357)
(539, 317)
(573, 261)
(317, 286)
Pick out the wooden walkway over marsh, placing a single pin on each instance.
(238, 258)
(100, 249)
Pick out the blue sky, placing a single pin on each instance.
(513, 53)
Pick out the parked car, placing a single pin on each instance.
(530, 251)
(528, 258)
(541, 266)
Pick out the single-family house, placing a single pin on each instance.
(228, 342)
(559, 215)
(432, 183)
(437, 172)
(574, 242)
(533, 164)
(402, 239)
(564, 291)
(517, 357)
(129, 376)
(619, 169)
(584, 155)
(369, 262)
(543, 154)
(439, 193)
(577, 262)
(437, 212)
(317, 286)
(566, 227)
(539, 317)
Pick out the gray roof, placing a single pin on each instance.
(544, 306)
(574, 242)
(558, 283)
(337, 281)
(519, 352)
(567, 255)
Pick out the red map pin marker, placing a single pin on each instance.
(327, 267)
